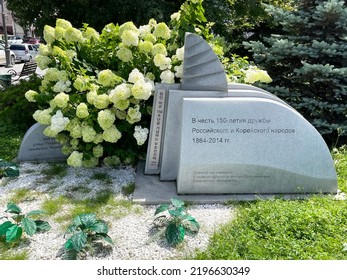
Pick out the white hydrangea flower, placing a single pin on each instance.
(42, 61)
(133, 115)
(73, 35)
(58, 122)
(179, 71)
(120, 92)
(136, 76)
(142, 90)
(75, 159)
(180, 54)
(60, 100)
(124, 54)
(140, 135)
(256, 75)
(101, 101)
(63, 23)
(167, 77)
(30, 95)
(98, 151)
(43, 116)
(82, 110)
(48, 34)
(112, 134)
(106, 119)
(107, 78)
(62, 86)
(145, 46)
(175, 16)
(144, 30)
(162, 62)
(130, 38)
(159, 49)
(88, 133)
(162, 31)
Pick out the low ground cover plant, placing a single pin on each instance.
(12, 231)
(83, 232)
(174, 222)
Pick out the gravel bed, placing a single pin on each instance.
(130, 234)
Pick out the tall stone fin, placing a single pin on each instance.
(202, 70)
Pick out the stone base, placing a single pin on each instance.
(151, 191)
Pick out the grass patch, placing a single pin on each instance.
(102, 177)
(55, 170)
(129, 189)
(20, 195)
(283, 230)
(8, 250)
(104, 205)
(340, 159)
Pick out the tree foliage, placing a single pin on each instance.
(96, 13)
(308, 62)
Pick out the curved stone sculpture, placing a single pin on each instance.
(202, 69)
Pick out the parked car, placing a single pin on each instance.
(24, 52)
(35, 41)
(11, 39)
(3, 56)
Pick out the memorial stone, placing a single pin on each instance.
(36, 147)
(218, 138)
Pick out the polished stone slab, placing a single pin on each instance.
(250, 145)
(36, 147)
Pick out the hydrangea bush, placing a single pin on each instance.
(96, 95)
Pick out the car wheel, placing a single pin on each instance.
(12, 60)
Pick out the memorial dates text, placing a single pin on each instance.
(218, 130)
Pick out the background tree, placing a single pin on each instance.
(96, 13)
(308, 62)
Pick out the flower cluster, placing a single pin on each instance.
(95, 96)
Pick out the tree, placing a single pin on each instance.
(96, 13)
(308, 62)
(235, 20)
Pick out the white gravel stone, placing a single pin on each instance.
(130, 234)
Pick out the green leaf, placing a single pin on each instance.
(42, 226)
(99, 227)
(174, 234)
(13, 233)
(29, 226)
(13, 208)
(177, 203)
(70, 254)
(35, 212)
(4, 227)
(88, 220)
(78, 241)
(176, 212)
(11, 171)
(191, 225)
(161, 208)
(106, 238)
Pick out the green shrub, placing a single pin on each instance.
(14, 107)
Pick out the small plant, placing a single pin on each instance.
(85, 230)
(13, 231)
(174, 221)
(8, 169)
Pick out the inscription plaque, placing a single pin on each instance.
(250, 145)
(36, 147)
